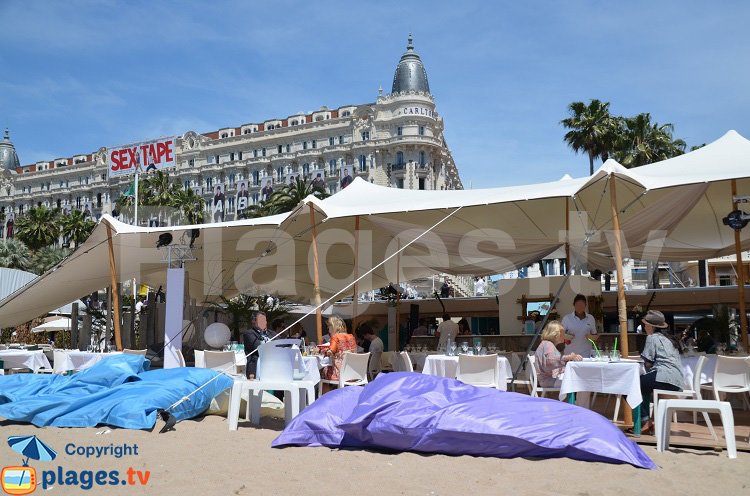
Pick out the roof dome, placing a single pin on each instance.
(8, 157)
(410, 73)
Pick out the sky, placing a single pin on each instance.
(79, 75)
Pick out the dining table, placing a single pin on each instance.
(66, 360)
(621, 377)
(33, 360)
(447, 366)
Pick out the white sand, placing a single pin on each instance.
(203, 457)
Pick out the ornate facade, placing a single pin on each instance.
(396, 141)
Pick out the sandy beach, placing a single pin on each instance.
(203, 457)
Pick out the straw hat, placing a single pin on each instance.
(656, 319)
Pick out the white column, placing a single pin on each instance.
(173, 317)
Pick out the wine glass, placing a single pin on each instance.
(464, 346)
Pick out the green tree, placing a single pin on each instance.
(644, 142)
(240, 309)
(286, 199)
(190, 205)
(47, 257)
(38, 228)
(14, 254)
(592, 130)
(158, 190)
(76, 227)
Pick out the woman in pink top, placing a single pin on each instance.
(550, 363)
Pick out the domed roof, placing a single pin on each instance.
(8, 157)
(410, 73)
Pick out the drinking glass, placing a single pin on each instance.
(614, 356)
(464, 346)
(477, 349)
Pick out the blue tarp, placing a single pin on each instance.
(116, 391)
(426, 414)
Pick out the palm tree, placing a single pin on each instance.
(643, 142)
(14, 254)
(76, 227)
(38, 228)
(592, 130)
(46, 258)
(291, 195)
(158, 190)
(190, 204)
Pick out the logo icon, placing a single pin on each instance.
(18, 480)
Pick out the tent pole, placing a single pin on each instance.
(621, 303)
(355, 299)
(316, 278)
(115, 294)
(398, 298)
(740, 273)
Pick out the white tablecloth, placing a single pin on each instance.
(23, 359)
(447, 366)
(78, 360)
(313, 364)
(603, 377)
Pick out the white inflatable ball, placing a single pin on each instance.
(217, 335)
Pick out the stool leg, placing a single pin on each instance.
(235, 399)
(727, 420)
(256, 396)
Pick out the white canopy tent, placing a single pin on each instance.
(62, 324)
(472, 232)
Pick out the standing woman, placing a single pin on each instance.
(341, 342)
(582, 326)
(661, 357)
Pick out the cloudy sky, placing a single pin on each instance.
(78, 75)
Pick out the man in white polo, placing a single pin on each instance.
(446, 331)
(581, 326)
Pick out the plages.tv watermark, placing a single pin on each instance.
(25, 479)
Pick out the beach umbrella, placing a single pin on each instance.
(53, 326)
(31, 447)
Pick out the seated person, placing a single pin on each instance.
(550, 363)
(422, 329)
(341, 342)
(661, 358)
(463, 328)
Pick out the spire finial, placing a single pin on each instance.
(380, 90)
(7, 135)
(410, 43)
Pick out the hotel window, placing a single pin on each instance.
(314, 143)
(362, 163)
(280, 149)
(239, 155)
(209, 182)
(256, 178)
(365, 135)
(422, 158)
(255, 153)
(217, 159)
(224, 135)
(186, 184)
(294, 123)
(98, 200)
(332, 188)
(304, 145)
(255, 197)
(279, 173)
(341, 140)
(59, 203)
(231, 203)
(78, 202)
(421, 130)
(263, 152)
(346, 113)
(331, 141)
(399, 158)
(191, 162)
(288, 148)
(399, 131)
(231, 156)
(421, 184)
(332, 165)
(400, 183)
(231, 179)
(305, 169)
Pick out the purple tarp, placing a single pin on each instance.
(427, 414)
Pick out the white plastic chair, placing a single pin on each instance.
(533, 377)
(731, 375)
(692, 392)
(523, 377)
(276, 372)
(353, 372)
(405, 364)
(181, 358)
(480, 371)
(386, 361)
(200, 360)
(222, 361)
(663, 420)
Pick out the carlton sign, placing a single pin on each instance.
(141, 157)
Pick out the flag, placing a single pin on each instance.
(130, 191)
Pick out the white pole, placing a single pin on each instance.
(135, 200)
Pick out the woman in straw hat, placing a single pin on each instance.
(661, 356)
